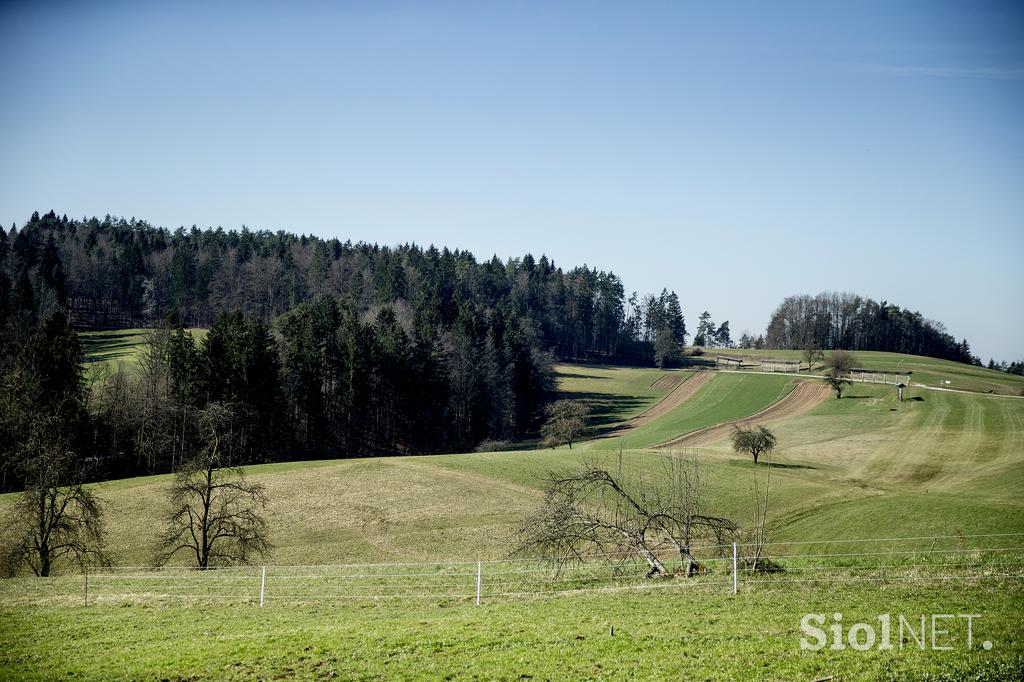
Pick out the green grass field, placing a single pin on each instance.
(927, 371)
(657, 637)
(614, 394)
(118, 347)
(724, 398)
(866, 466)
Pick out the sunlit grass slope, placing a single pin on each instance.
(117, 347)
(614, 394)
(863, 466)
(727, 396)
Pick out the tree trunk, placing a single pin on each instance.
(44, 562)
(685, 556)
(657, 568)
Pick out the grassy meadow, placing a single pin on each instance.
(867, 466)
(945, 463)
(613, 394)
(656, 636)
(927, 371)
(724, 398)
(935, 463)
(119, 347)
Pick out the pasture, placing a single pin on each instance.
(939, 461)
(865, 454)
(866, 466)
(657, 636)
(118, 347)
(927, 371)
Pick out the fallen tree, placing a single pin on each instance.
(595, 510)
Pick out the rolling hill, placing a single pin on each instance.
(867, 466)
(939, 461)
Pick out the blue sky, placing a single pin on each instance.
(735, 153)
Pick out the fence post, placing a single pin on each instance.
(263, 585)
(479, 577)
(735, 571)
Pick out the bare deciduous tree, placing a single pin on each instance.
(215, 512)
(56, 517)
(760, 502)
(813, 355)
(593, 510)
(837, 370)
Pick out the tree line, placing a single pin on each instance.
(322, 381)
(118, 273)
(851, 322)
(348, 349)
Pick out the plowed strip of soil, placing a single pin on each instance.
(685, 386)
(671, 380)
(806, 396)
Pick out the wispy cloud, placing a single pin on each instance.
(992, 73)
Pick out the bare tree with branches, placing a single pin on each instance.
(837, 370)
(56, 517)
(595, 510)
(813, 355)
(215, 512)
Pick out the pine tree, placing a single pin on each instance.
(705, 331)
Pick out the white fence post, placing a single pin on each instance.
(263, 585)
(735, 572)
(479, 577)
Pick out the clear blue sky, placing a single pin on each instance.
(735, 154)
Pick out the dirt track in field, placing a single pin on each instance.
(682, 387)
(805, 397)
(671, 380)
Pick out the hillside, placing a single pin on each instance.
(927, 371)
(947, 464)
(943, 461)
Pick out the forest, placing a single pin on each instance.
(851, 322)
(318, 348)
(117, 273)
(322, 348)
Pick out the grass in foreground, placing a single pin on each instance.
(684, 635)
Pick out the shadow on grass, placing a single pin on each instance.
(691, 362)
(747, 463)
(607, 410)
(108, 346)
(573, 375)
